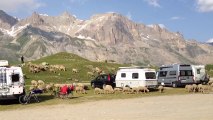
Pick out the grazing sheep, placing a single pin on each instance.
(52, 70)
(80, 85)
(108, 89)
(79, 89)
(161, 88)
(205, 89)
(189, 88)
(49, 87)
(74, 70)
(42, 87)
(62, 68)
(210, 82)
(126, 90)
(34, 83)
(199, 87)
(117, 90)
(134, 90)
(40, 82)
(194, 88)
(98, 91)
(143, 89)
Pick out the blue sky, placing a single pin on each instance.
(192, 18)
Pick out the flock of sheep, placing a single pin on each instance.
(108, 89)
(36, 68)
(200, 88)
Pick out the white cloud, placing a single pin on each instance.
(18, 5)
(129, 15)
(177, 18)
(205, 5)
(154, 3)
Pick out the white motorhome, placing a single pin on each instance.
(136, 76)
(11, 82)
(199, 73)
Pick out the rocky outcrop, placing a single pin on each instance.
(6, 21)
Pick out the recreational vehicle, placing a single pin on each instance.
(11, 81)
(175, 75)
(199, 73)
(135, 77)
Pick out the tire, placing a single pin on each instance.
(23, 99)
(174, 85)
(93, 85)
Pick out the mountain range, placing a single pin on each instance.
(105, 37)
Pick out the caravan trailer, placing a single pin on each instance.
(135, 77)
(11, 82)
(175, 75)
(200, 75)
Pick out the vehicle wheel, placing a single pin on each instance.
(174, 85)
(93, 85)
(23, 99)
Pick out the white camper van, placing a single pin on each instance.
(11, 82)
(136, 76)
(199, 73)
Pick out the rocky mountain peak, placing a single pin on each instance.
(35, 19)
(6, 21)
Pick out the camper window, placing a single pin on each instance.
(172, 73)
(135, 75)
(198, 71)
(185, 73)
(163, 73)
(123, 75)
(150, 75)
(15, 77)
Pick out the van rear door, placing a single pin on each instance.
(186, 76)
(151, 80)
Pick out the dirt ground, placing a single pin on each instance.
(177, 107)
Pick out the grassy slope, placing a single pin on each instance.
(70, 61)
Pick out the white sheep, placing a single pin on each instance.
(134, 90)
(161, 88)
(126, 90)
(199, 87)
(98, 91)
(40, 82)
(79, 89)
(117, 90)
(74, 70)
(189, 88)
(108, 89)
(143, 89)
(34, 82)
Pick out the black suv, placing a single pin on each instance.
(102, 80)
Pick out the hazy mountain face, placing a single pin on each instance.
(109, 36)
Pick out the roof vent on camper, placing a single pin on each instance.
(4, 63)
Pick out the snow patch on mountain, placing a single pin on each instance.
(83, 37)
(210, 40)
(14, 31)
